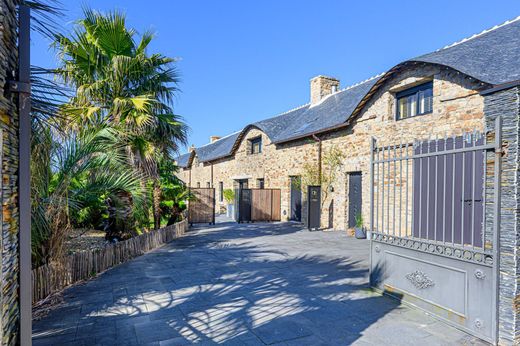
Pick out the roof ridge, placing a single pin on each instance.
(362, 82)
(221, 138)
(288, 111)
(483, 32)
(347, 88)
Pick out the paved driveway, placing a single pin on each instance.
(250, 284)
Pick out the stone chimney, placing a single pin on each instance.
(214, 138)
(322, 86)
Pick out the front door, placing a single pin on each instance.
(296, 199)
(354, 198)
(314, 210)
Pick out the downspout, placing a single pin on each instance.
(317, 139)
(212, 175)
(189, 179)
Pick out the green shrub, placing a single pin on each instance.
(229, 196)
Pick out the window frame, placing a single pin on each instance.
(252, 142)
(409, 92)
(260, 183)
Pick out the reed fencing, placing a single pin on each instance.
(54, 277)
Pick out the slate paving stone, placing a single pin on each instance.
(248, 284)
(155, 331)
(281, 331)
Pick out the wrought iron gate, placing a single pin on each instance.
(434, 222)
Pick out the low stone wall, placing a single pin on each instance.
(54, 277)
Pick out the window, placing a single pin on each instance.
(415, 101)
(198, 184)
(208, 184)
(256, 145)
(221, 191)
(260, 183)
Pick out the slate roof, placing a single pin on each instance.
(183, 160)
(217, 149)
(492, 57)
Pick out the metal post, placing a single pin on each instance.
(24, 176)
(496, 223)
(372, 146)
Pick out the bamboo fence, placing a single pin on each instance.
(54, 277)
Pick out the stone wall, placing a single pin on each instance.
(10, 226)
(506, 104)
(457, 107)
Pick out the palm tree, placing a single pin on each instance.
(60, 169)
(119, 85)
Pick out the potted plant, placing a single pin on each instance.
(359, 231)
(229, 196)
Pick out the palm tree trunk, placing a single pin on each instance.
(146, 209)
(156, 204)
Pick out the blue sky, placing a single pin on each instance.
(243, 61)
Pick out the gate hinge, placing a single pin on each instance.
(19, 87)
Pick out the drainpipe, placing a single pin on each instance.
(211, 174)
(189, 179)
(317, 139)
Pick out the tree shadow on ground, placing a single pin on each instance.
(207, 288)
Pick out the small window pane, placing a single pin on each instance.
(256, 145)
(415, 101)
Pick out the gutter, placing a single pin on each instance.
(500, 87)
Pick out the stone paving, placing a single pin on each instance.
(247, 284)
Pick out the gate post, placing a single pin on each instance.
(504, 103)
(371, 226)
(496, 222)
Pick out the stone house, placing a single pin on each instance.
(460, 88)
(344, 119)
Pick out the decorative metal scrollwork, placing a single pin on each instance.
(479, 324)
(479, 274)
(420, 279)
(446, 250)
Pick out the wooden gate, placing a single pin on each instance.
(201, 208)
(259, 205)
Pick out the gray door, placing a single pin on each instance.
(314, 214)
(296, 199)
(354, 197)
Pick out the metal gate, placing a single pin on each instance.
(201, 207)
(434, 222)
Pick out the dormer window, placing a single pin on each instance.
(255, 145)
(415, 101)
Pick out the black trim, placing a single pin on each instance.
(409, 92)
(500, 87)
